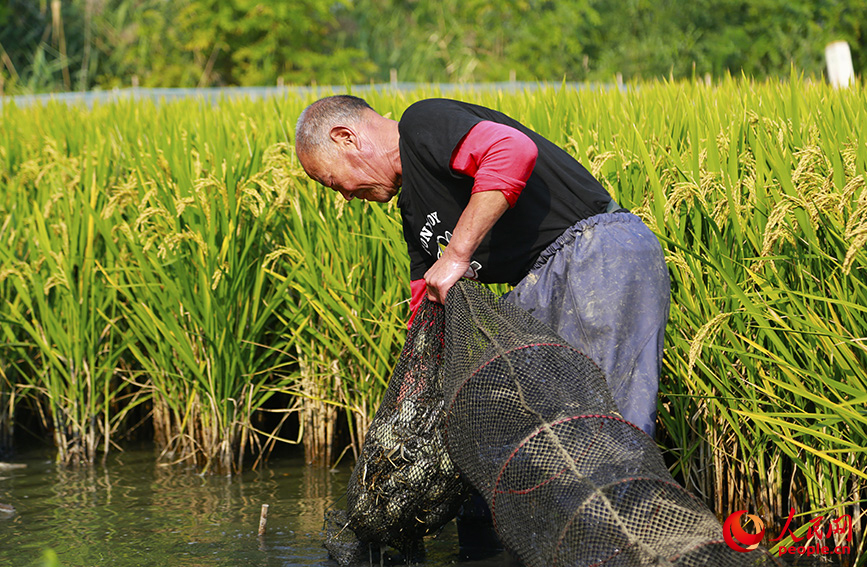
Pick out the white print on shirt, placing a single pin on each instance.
(443, 241)
(427, 230)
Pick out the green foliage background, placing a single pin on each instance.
(51, 45)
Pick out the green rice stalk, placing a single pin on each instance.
(62, 313)
(201, 305)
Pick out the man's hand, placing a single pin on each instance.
(444, 273)
(482, 212)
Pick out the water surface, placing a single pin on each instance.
(133, 512)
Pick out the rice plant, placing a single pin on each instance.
(351, 281)
(198, 298)
(59, 314)
(762, 209)
(7, 352)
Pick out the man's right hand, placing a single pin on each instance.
(447, 270)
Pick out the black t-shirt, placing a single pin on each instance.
(559, 192)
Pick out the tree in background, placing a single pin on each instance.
(255, 42)
(34, 45)
(82, 44)
(760, 38)
(472, 40)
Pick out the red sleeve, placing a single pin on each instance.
(497, 157)
(418, 289)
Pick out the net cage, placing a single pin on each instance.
(404, 484)
(484, 395)
(531, 423)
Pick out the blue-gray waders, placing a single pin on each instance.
(603, 286)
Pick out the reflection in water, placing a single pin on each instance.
(134, 512)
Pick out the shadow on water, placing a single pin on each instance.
(135, 513)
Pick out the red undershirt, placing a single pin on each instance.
(497, 157)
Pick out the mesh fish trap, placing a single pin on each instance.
(404, 484)
(483, 388)
(532, 425)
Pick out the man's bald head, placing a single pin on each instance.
(313, 130)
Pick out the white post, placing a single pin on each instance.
(839, 59)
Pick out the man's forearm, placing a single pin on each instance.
(477, 220)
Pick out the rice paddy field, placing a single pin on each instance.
(168, 271)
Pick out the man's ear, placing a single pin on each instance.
(344, 136)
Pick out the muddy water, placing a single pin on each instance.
(132, 512)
